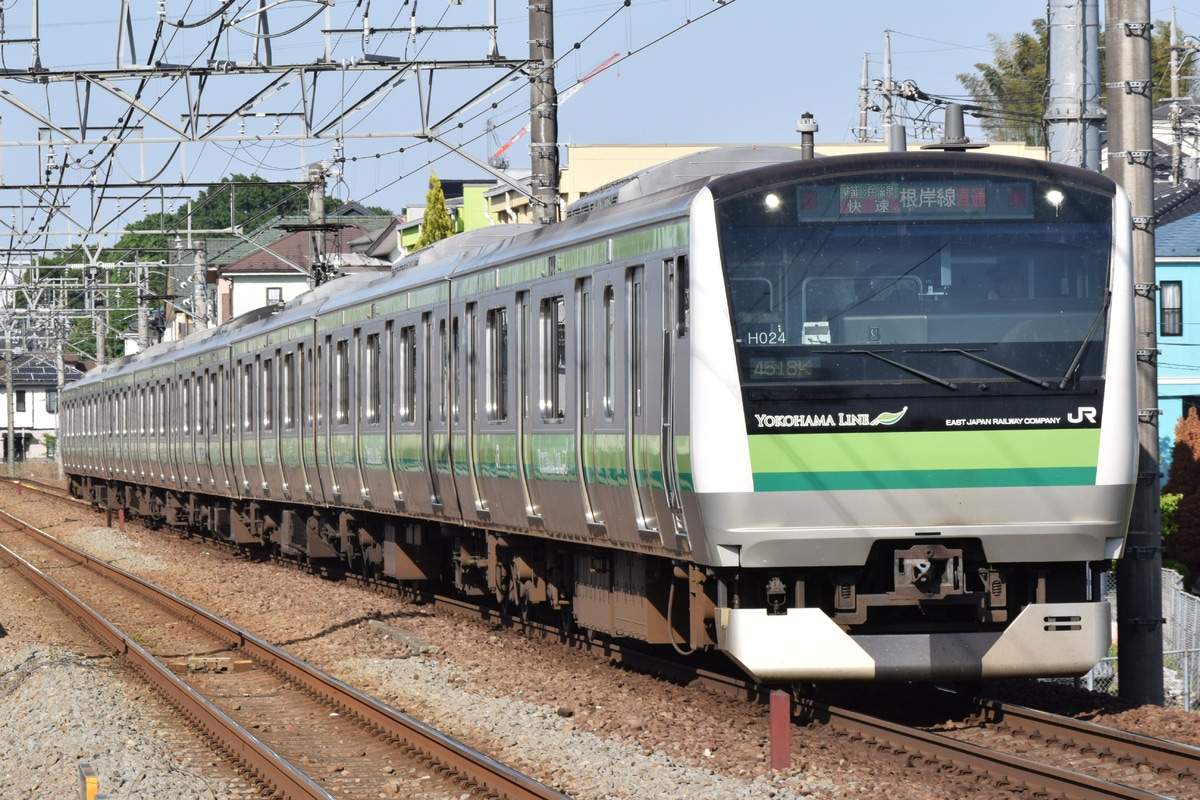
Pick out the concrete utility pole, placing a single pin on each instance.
(1073, 111)
(543, 105)
(1130, 163)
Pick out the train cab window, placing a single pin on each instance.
(289, 391)
(610, 351)
(268, 394)
(341, 382)
(497, 364)
(553, 358)
(406, 363)
(372, 396)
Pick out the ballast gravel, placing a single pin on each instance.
(576, 722)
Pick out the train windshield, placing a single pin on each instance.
(918, 277)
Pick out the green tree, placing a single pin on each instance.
(436, 225)
(1012, 88)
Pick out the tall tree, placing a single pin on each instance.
(436, 225)
(1012, 88)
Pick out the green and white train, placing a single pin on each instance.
(864, 417)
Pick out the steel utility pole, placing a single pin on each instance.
(1074, 116)
(1130, 163)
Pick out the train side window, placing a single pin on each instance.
(341, 381)
(268, 394)
(554, 365)
(456, 368)
(610, 348)
(248, 397)
(289, 391)
(497, 364)
(636, 343)
(200, 405)
(163, 410)
(371, 378)
(186, 412)
(583, 306)
(406, 394)
(214, 399)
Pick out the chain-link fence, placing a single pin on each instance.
(1181, 647)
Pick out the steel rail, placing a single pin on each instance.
(493, 776)
(1183, 759)
(274, 771)
(995, 765)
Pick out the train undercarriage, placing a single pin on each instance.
(917, 590)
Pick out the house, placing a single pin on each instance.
(1177, 272)
(275, 264)
(34, 404)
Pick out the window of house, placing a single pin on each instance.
(52, 401)
(20, 399)
(1171, 309)
(274, 295)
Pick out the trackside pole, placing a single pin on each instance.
(781, 729)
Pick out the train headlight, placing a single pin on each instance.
(1055, 197)
(772, 201)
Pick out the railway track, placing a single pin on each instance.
(1044, 754)
(298, 731)
(999, 744)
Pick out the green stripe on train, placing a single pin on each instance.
(924, 459)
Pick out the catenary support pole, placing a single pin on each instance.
(1130, 163)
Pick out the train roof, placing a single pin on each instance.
(642, 199)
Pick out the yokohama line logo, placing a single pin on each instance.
(838, 420)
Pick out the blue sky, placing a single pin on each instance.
(690, 71)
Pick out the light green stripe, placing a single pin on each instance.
(589, 255)
(523, 272)
(904, 460)
(924, 450)
(665, 237)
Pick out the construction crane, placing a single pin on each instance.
(498, 160)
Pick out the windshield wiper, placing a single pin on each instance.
(898, 365)
(993, 364)
(1087, 338)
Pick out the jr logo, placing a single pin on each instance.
(1082, 413)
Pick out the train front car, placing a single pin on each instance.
(914, 417)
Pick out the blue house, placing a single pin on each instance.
(1177, 272)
